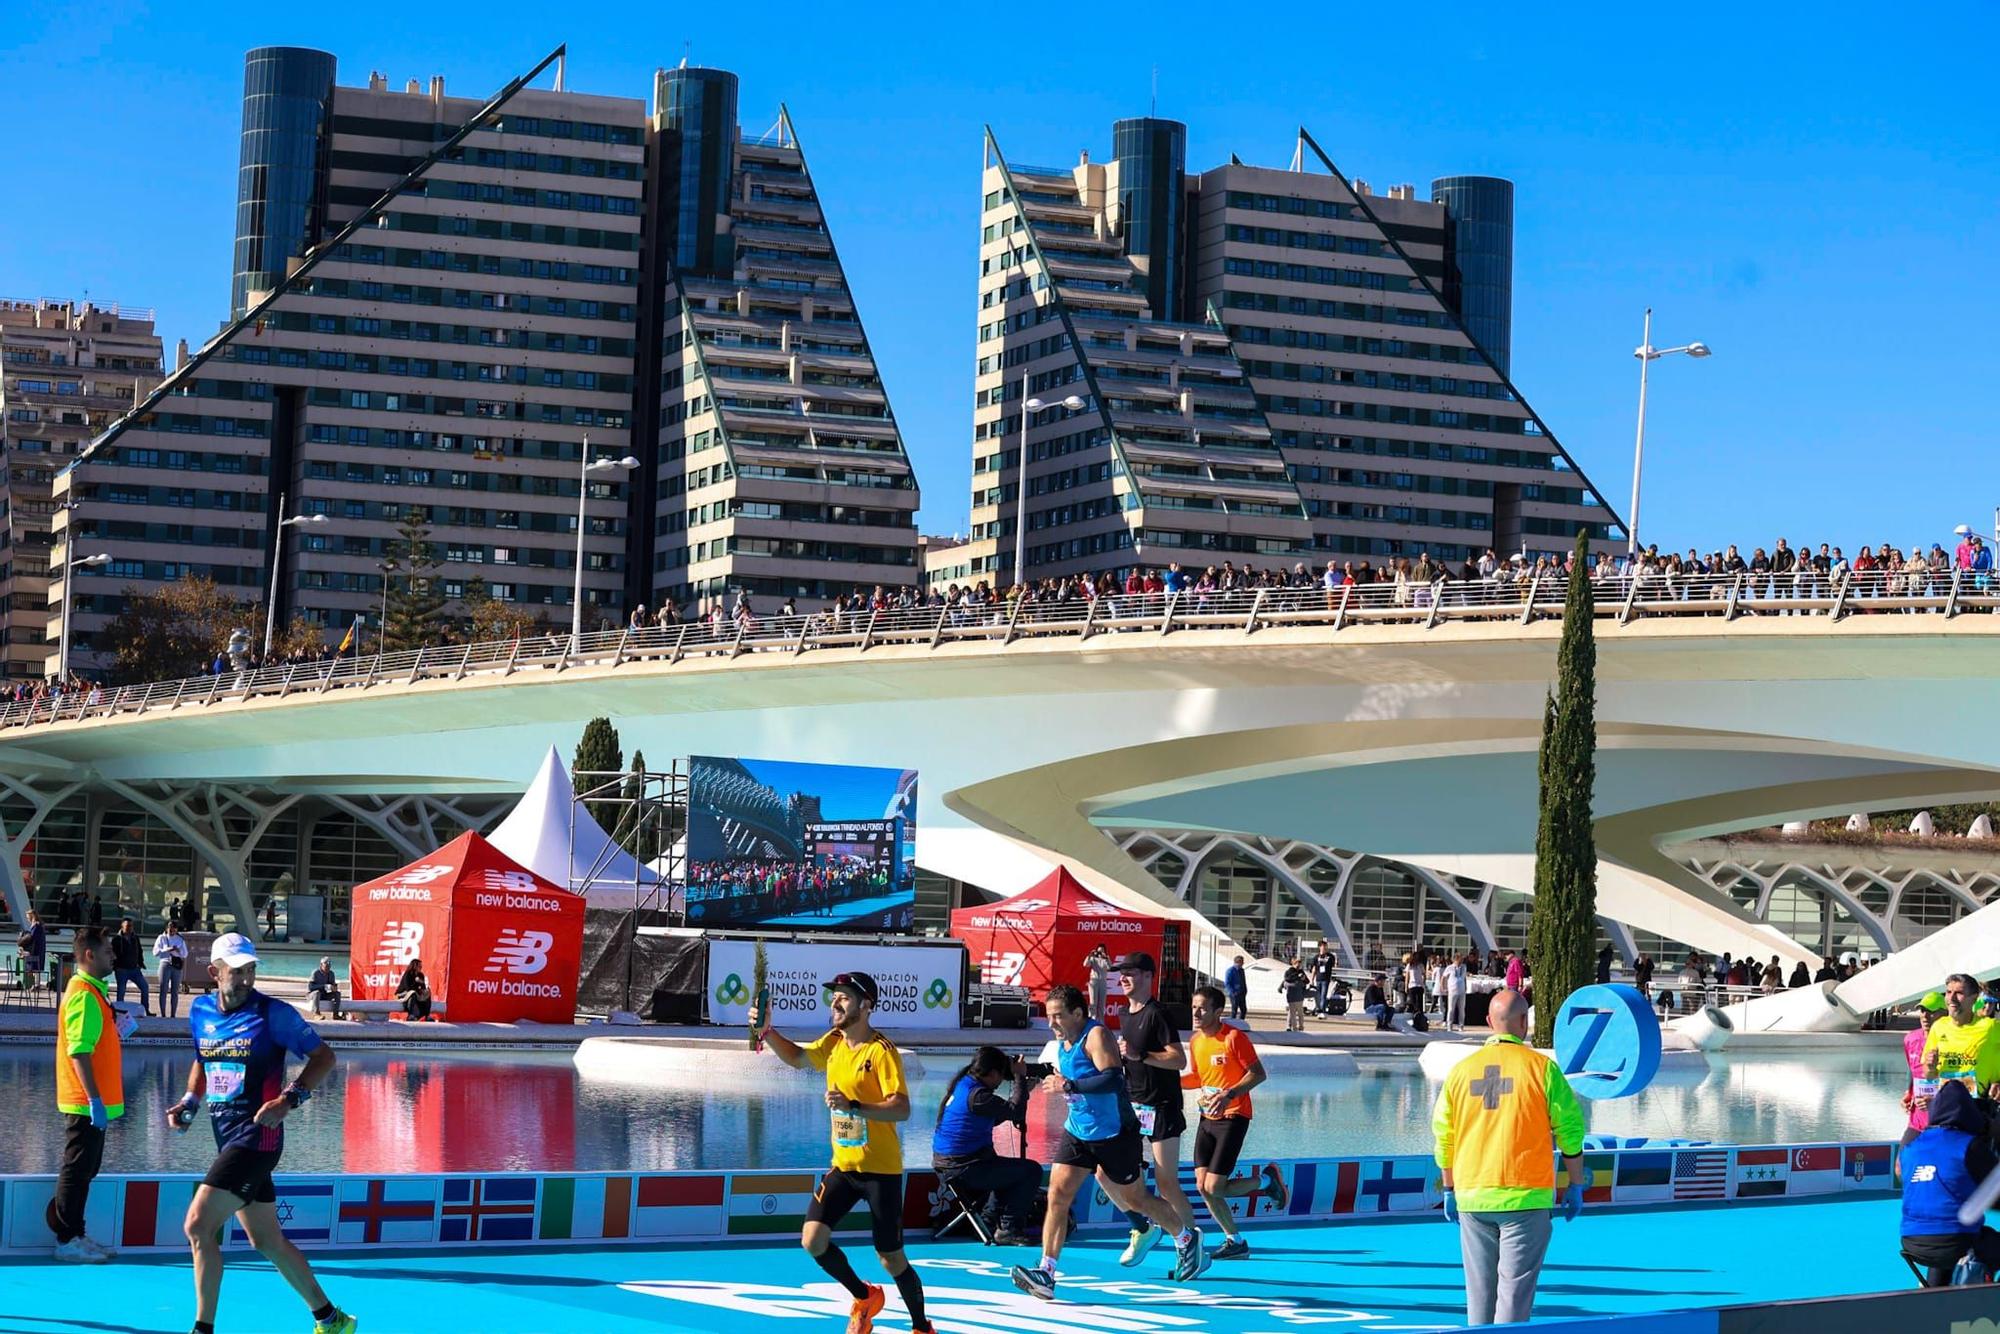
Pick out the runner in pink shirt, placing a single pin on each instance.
(1917, 1098)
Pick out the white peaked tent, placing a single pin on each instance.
(552, 834)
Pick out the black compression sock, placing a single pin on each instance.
(203, 1327)
(834, 1261)
(912, 1288)
(326, 1313)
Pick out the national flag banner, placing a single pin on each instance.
(1702, 1174)
(1816, 1170)
(1312, 1187)
(1643, 1178)
(681, 1206)
(27, 1199)
(1761, 1172)
(488, 1209)
(1868, 1167)
(1601, 1170)
(768, 1202)
(1398, 1185)
(305, 1211)
(393, 1210)
(919, 1189)
(154, 1213)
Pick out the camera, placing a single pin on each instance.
(1037, 1070)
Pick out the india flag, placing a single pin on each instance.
(680, 1206)
(579, 1207)
(763, 1202)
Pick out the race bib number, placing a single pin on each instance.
(1211, 1102)
(849, 1131)
(1923, 1088)
(225, 1080)
(1146, 1118)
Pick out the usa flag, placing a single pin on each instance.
(1701, 1175)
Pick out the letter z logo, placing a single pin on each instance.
(520, 952)
(401, 942)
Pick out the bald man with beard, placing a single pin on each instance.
(1501, 1111)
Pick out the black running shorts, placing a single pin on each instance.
(245, 1173)
(1218, 1141)
(1122, 1159)
(838, 1192)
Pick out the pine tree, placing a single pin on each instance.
(416, 597)
(632, 833)
(598, 753)
(1562, 924)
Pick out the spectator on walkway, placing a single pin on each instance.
(1495, 1120)
(1237, 983)
(1454, 994)
(170, 951)
(128, 960)
(324, 989)
(1322, 970)
(1295, 984)
(414, 990)
(1099, 964)
(1517, 971)
(1375, 1001)
(1800, 977)
(1604, 957)
(33, 943)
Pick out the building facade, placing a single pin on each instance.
(1347, 353)
(67, 370)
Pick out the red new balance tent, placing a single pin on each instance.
(1042, 935)
(498, 942)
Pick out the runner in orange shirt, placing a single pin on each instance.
(1224, 1065)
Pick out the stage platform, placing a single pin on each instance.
(1401, 1276)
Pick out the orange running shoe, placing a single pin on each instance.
(861, 1320)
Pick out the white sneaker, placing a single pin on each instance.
(109, 1252)
(74, 1252)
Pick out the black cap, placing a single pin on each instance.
(1138, 961)
(859, 985)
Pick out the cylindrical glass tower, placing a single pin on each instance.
(1479, 269)
(1152, 203)
(287, 101)
(696, 109)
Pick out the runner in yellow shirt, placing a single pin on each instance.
(1962, 1046)
(866, 1100)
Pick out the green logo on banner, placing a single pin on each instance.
(939, 995)
(732, 991)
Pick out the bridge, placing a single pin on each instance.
(1399, 722)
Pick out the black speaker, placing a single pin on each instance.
(674, 1007)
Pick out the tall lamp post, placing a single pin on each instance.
(69, 596)
(277, 563)
(584, 468)
(1647, 355)
(1073, 403)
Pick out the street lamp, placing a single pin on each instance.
(69, 596)
(584, 469)
(277, 561)
(1073, 403)
(1647, 355)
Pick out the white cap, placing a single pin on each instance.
(234, 949)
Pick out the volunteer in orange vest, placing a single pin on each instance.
(1502, 1111)
(90, 1092)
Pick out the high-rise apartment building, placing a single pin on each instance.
(67, 370)
(779, 470)
(1145, 444)
(1362, 339)
(582, 280)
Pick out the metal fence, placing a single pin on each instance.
(1623, 599)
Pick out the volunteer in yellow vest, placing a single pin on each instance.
(90, 1092)
(1964, 1044)
(1501, 1110)
(866, 1100)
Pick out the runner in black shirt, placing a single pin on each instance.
(1154, 1060)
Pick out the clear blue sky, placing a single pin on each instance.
(1811, 190)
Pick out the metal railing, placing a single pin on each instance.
(1725, 597)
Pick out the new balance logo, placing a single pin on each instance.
(521, 953)
(401, 942)
(522, 882)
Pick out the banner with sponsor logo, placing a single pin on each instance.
(920, 984)
(1043, 936)
(496, 941)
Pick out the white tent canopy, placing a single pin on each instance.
(552, 834)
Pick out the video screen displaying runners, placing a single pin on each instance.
(827, 847)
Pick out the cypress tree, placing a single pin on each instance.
(1562, 923)
(598, 753)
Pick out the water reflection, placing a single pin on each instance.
(443, 1112)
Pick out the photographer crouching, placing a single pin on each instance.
(962, 1146)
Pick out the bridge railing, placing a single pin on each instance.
(1623, 599)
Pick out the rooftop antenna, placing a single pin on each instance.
(687, 52)
(1156, 92)
(1299, 154)
(562, 66)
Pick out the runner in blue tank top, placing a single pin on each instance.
(1100, 1135)
(241, 1040)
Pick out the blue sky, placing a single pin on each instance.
(1812, 191)
(845, 791)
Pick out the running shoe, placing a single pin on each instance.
(1141, 1244)
(342, 1323)
(1233, 1249)
(107, 1251)
(1275, 1189)
(1011, 1236)
(1190, 1260)
(861, 1319)
(1035, 1281)
(74, 1252)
